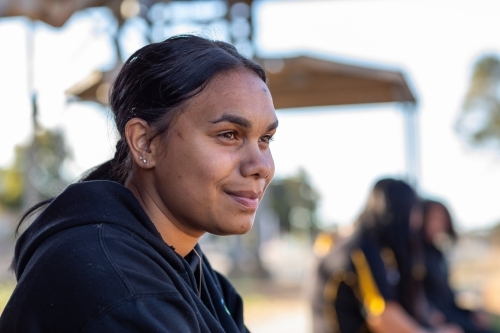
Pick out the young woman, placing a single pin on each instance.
(117, 251)
(437, 234)
(371, 282)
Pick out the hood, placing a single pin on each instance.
(90, 203)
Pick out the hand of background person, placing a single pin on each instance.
(395, 319)
(481, 318)
(448, 328)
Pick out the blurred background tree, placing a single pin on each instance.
(36, 173)
(295, 201)
(479, 120)
(287, 215)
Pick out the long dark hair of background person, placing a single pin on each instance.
(386, 218)
(438, 234)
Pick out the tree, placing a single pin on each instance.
(295, 200)
(11, 184)
(36, 172)
(479, 121)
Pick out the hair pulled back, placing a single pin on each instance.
(154, 84)
(156, 81)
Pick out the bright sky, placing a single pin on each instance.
(435, 43)
(344, 149)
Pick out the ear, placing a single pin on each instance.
(137, 134)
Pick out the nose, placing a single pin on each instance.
(257, 163)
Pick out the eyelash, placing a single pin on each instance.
(266, 138)
(226, 134)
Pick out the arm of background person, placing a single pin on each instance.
(384, 314)
(396, 320)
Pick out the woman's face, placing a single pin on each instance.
(216, 161)
(436, 224)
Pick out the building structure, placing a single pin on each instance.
(294, 82)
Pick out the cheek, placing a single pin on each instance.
(429, 232)
(433, 228)
(207, 165)
(441, 226)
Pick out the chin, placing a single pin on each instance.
(234, 228)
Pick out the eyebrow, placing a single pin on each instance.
(245, 123)
(272, 126)
(240, 121)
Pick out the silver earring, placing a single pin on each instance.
(142, 159)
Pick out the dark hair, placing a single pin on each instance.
(388, 208)
(426, 207)
(153, 85)
(386, 218)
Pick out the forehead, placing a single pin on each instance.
(437, 210)
(238, 78)
(238, 92)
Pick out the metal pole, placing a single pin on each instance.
(411, 124)
(30, 193)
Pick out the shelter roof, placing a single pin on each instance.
(306, 81)
(53, 12)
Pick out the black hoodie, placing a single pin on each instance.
(94, 262)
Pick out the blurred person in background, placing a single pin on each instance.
(118, 251)
(438, 235)
(372, 281)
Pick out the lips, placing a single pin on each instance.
(247, 199)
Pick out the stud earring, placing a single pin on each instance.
(142, 159)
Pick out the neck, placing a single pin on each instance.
(172, 231)
(181, 242)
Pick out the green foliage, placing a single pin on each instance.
(46, 169)
(12, 183)
(295, 201)
(494, 234)
(479, 121)
(6, 289)
(36, 169)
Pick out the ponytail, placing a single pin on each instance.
(115, 169)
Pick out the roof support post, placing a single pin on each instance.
(411, 124)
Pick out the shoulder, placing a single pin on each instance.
(339, 257)
(146, 265)
(82, 272)
(101, 262)
(116, 258)
(164, 312)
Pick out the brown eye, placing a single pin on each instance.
(228, 135)
(266, 138)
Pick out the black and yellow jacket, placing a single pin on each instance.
(354, 280)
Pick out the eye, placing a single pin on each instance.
(228, 135)
(267, 138)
